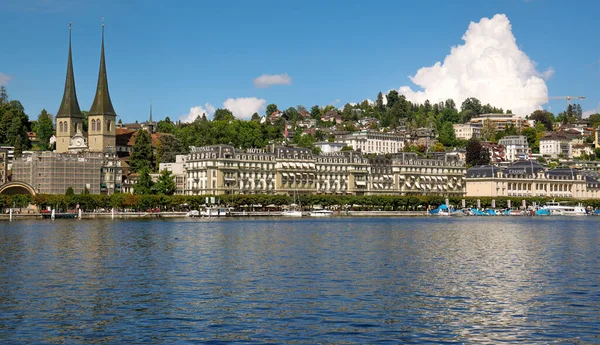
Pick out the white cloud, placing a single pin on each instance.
(197, 111)
(244, 107)
(587, 113)
(267, 80)
(489, 66)
(4, 79)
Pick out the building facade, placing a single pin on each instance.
(367, 141)
(3, 166)
(178, 171)
(515, 147)
(222, 169)
(499, 121)
(466, 131)
(554, 145)
(53, 173)
(529, 179)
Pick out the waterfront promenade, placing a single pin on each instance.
(248, 214)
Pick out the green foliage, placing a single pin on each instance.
(165, 126)
(271, 108)
(167, 148)
(476, 153)
(315, 112)
(166, 183)
(142, 154)
(447, 136)
(544, 117)
(44, 129)
(255, 117)
(594, 120)
(223, 115)
(69, 191)
(144, 184)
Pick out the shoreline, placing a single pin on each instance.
(146, 215)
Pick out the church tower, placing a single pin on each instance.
(102, 116)
(68, 119)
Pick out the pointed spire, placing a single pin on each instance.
(102, 104)
(150, 120)
(69, 107)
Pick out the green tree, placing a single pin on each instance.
(167, 148)
(543, 116)
(70, 191)
(447, 136)
(144, 184)
(379, 102)
(142, 156)
(223, 115)
(392, 98)
(291, 113)
(255, 117)
(472, 104)
(476, 153)
(594, 120)
(165, 126)
(315, 112)
(44, 129)
(271, 108)
(166, 183)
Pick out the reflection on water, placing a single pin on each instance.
(421, 280)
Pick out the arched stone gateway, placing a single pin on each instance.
(16, 187)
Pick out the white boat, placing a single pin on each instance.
(193, 213)
(557, 209)
(321, 213)
(215, 212)
(291, 213)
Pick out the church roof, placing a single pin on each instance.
(69, 107)
(102, 104)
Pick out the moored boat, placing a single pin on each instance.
(559, 209)
(321, 213)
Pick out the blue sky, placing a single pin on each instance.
(206, 54)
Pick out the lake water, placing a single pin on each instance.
(301, 281)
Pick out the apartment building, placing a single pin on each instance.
(222, 169)
(466, 131)
(515, 147)
(368, 141)
(529, 179)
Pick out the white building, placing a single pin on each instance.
(466, 131)
(178, 171)
(555, 144)
(327, 147)
(515, 147)
(373, 142)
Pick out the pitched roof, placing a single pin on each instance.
(69, 106)
(102, 104)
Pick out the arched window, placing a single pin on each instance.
(60, 126)
(93, 125)
(108, 125)
(98, 125)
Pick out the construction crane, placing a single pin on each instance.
(568, 98)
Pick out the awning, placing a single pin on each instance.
(284, 165)
(305, 165)
(361, 183)
(284, 174)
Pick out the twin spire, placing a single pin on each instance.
(102, 104)
(69, 107)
